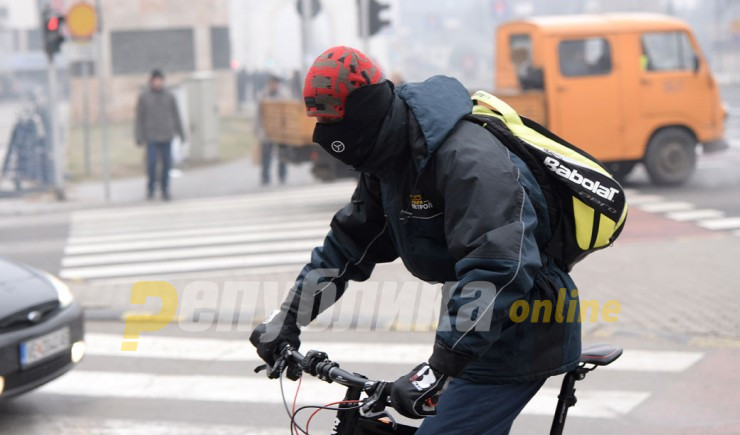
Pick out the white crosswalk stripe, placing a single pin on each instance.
(682, 211)
(80, 426)
(729, 223)
(593, 404)
(693, 215)
(251, 389)
(270, 229)
(406, 353)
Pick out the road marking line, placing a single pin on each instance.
(245, 210)
(729, 223)
(204, 349)
(195, 241)
(200, 252)
(643, 199)
(206, 230)
(277, 198)
(352, 352)
(218, 274)
(188, 221)
(162, 267)
(594, 404)
(185, 387)
(96, 426)
(663, 207)
(692, 215)
(655, 361)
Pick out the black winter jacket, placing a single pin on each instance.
(450, 200)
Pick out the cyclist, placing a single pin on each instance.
(447, 197)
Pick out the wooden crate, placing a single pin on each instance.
(285, 122)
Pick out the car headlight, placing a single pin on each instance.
(64, 293)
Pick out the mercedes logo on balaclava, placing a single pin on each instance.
(337, 146)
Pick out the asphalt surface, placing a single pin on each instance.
(677, 322)
(675, 280)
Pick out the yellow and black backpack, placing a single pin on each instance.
(587, 205)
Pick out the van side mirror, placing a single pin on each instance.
(697, 63)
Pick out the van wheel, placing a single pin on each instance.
(671, 157)
(620, 170)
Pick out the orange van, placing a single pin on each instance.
(627, 88)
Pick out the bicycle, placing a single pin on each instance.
(369, 416)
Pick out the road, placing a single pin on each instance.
(676, 375)
(673, 272)
(194, 383)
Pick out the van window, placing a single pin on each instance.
(520, 49)
(585, 57)
(667, 51)
(520, 53)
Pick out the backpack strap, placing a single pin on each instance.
(555, 205)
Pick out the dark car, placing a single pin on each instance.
(41, 328)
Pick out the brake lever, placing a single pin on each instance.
(374, 406)
(293, 371)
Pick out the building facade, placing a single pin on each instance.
(183, 39)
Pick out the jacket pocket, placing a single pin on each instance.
(432, 227)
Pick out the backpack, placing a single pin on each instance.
(587, 206)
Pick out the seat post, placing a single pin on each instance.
(566, 399)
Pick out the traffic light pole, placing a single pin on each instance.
(55, 139)
(305, 36)
(102, 116)
(365, 25)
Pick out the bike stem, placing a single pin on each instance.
(347, 418)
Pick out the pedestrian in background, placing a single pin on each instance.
(273, 91)
(157, 123)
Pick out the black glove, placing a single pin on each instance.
(416, 394)
(270, 336)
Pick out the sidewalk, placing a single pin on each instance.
(223, 179)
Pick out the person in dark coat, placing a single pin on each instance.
(445, 196)
(157, 123)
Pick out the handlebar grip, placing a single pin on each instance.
(328, 370)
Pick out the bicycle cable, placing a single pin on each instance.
(293, 423)
(358, 405)
(322, 408)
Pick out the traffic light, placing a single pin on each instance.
(377, 23)
(374, 21)
(53, 37)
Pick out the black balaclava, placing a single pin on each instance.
(352, 139)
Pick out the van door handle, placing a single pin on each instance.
(561, 89)
(645, 82)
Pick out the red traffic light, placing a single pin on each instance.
(53, 24)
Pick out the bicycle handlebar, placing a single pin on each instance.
(318, 364)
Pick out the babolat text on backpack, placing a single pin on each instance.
(588, 208)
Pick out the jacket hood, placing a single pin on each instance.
(438, 104)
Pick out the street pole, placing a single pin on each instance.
(305, 35)
(56, 143)
(85, 73)
(365, 25)
(103, 118)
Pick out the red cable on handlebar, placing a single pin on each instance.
(341, 402)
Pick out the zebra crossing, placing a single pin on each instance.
(249, 234)
(682, 211)
(142, 382)
(238, 234)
